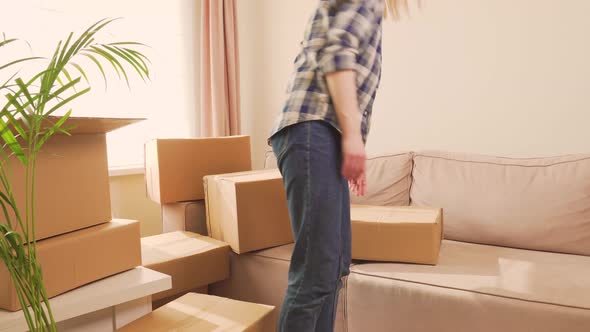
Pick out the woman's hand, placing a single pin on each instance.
(358, 187)
(354, 163)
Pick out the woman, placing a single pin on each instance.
(319, 141)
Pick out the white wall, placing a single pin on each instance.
(269, 34)
(171, 99)
(171, 29)
(488, 76)
(129, 201)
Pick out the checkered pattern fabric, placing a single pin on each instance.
(341, 35)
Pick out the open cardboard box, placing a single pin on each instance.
(72, 180)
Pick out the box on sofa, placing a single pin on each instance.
(396, 234)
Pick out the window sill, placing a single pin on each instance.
(126, 170)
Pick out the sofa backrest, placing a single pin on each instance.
(538, 204)
(535, 203)
(388, 179)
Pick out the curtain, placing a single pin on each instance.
(220, 90)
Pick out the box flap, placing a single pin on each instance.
(91, 125)
(247, 176)
(190, 259)
(383, 214)
(169, 246)
(253, 176)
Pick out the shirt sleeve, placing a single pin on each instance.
(352, 24)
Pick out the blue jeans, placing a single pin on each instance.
(309, 156)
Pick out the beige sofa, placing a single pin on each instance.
(483, 282)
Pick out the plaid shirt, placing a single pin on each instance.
(341, 35)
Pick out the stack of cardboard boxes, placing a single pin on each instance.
(174, 177)
(175, 169)
(77, 242)
(245, 211)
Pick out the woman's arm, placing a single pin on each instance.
(343, 91)
(352, 24)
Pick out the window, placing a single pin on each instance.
(171, 28)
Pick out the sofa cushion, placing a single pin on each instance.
(385, 305)
(474, 288)
(527, 275)
(388, 179)
(540, 204)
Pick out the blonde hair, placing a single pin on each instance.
(395, 7)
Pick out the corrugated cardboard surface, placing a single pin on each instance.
(76, 125)
(175, 167)
(78, 258)
(185, 216)
(159, 303)
(72, 184)
(396, 234)
(248, 210)
(197, 312)
(192, 260)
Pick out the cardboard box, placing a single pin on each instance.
(72, 181)
(248, 210)
(175, 167)
(192, 260)
(396, 234)
(197, 312)
(79, 258)
(162, 302)
(185, 216)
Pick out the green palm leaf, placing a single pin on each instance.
(81, 71)
(93, 59)
(19, 61)
(24, 132)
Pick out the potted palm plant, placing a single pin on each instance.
(25, 126)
